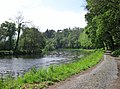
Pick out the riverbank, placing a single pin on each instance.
(21, 52)
(57, 84)
(4, 53)
(103, 76)
(45, 77)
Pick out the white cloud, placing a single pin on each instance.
(53, 19)
(44, 17)
(9, 8)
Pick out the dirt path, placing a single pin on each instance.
(105, 76)
(116, 84)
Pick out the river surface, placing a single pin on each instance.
(19, 65)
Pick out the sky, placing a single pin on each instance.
(46, 14)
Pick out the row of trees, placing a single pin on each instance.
(19, 38)
(103, 27)
(16, 37)
(102, 31)
(67, 38)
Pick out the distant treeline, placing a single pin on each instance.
(66, 38)
(20, 39)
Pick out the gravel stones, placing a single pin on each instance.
(101, 77)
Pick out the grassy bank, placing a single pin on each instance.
(21, 52)
(37, 79)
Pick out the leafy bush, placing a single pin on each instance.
(116, 53)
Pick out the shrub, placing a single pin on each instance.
(116, 53)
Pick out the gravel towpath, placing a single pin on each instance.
(104, 76)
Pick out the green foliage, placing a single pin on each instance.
(44, 77)
(103, 23)
(32, 40)
(49, 33)
(85, 41)
(67, 38)
(116, 53)
(7, 34)
(50, 45)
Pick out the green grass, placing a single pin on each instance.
(38, 79)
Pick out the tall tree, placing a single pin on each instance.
(19, 21)
(103, 21)
(7, 33)
(20, 24)
(32, 40)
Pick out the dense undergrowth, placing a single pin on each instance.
(38, 79)
(116, 53)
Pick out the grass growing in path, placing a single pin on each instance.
(38, 79)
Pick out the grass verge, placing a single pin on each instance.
(38, 79)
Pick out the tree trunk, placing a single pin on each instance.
(10, 43)
(105, 45)
(16, 46)
(112, 43)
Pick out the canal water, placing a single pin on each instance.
(19, 65)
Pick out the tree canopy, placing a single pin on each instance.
(66, 38)
(103, 19)
(7, 35)
(30, 39)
